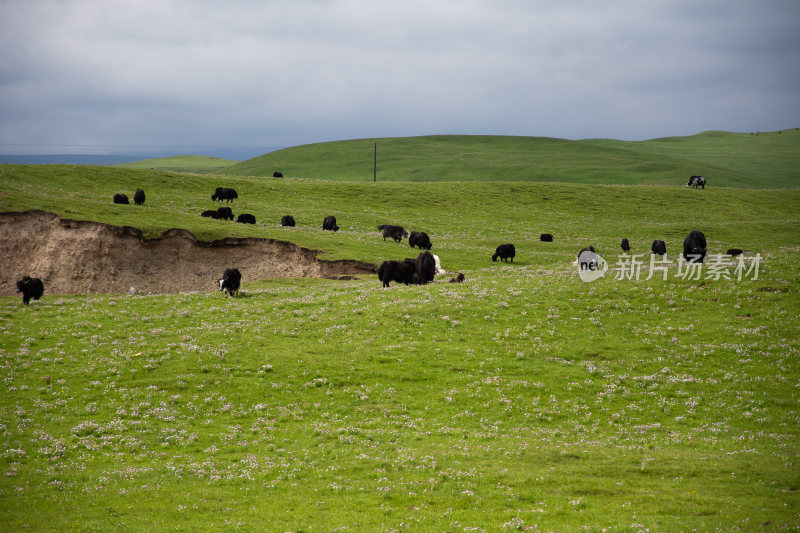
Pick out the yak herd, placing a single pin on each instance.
(410, 271)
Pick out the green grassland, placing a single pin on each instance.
(200, 164)
(767, 160)
(522, 399)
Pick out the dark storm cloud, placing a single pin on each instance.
(289, 72)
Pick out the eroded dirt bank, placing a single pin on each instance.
(74, 256)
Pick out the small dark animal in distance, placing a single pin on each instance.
(505, 252)
(138, 197)
(420, 239)
(734, 252)
(546, 237)
(625, 245)
(458, 279)
(246, 218)
(694, 247)
(224, 193)
(210, 213)
(395, 232)
(287, 220)
(658, 247)
(329, 224)
(224, 213)
(30, 288)
(230, 281)
(697, 181)
(121, 199)
(277, 174)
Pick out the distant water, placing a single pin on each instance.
(66, 159)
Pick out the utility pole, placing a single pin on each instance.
(375, 164)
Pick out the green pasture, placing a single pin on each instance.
(522, 399)
(200, 164)
(766, 160)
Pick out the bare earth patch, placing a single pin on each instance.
(74, 256)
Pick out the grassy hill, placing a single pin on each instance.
(200, 164)
(767, 160)
(521, 399)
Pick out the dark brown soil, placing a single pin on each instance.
(72, 256)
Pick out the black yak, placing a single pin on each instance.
(138, 197)
(246, 218)
(121, 199)
(625, 245)
(658, 247)
(505, 252)
(694, 247)
(395, 232)
(399, 271)
(420, 239)
(224, 193)
(210, 213)
(329, 224)
(225, 213)
(277, 174)
(30, 288)
(287, 220)
(230, 281)
(546, 237)
(425, 267)
(734, 252)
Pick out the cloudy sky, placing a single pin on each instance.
(92, 76)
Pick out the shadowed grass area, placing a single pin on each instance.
(520, 399)
(767, 160)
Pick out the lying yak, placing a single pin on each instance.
(121, 199)
(210, 213)
(246, 218)
(287, 220)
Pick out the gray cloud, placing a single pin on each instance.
(280, 73)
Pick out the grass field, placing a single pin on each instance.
(767, 160)
(522, 399)
(200, 164)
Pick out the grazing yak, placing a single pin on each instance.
(734, 252)
(426, 268)
(210, 213)
(697, 181)
(30, 288)
(224, 193)
(590, 262)
(329, 224)
(225, 213)
(399, 271)
(287, 220)
(658, 247)
(246, 218)
(420, 239)
(277, 174)
(694, 247)
(626, 246)
(230, 281)
(121, 199)
(395, 232)
(458, 279)
(138, 197)
(546, 237)
(505, 252)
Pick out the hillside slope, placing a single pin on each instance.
(182, 163)
(767, 160)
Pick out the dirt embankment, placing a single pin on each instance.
(74, 256)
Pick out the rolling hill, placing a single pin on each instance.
(767, 160)
(200, 164)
